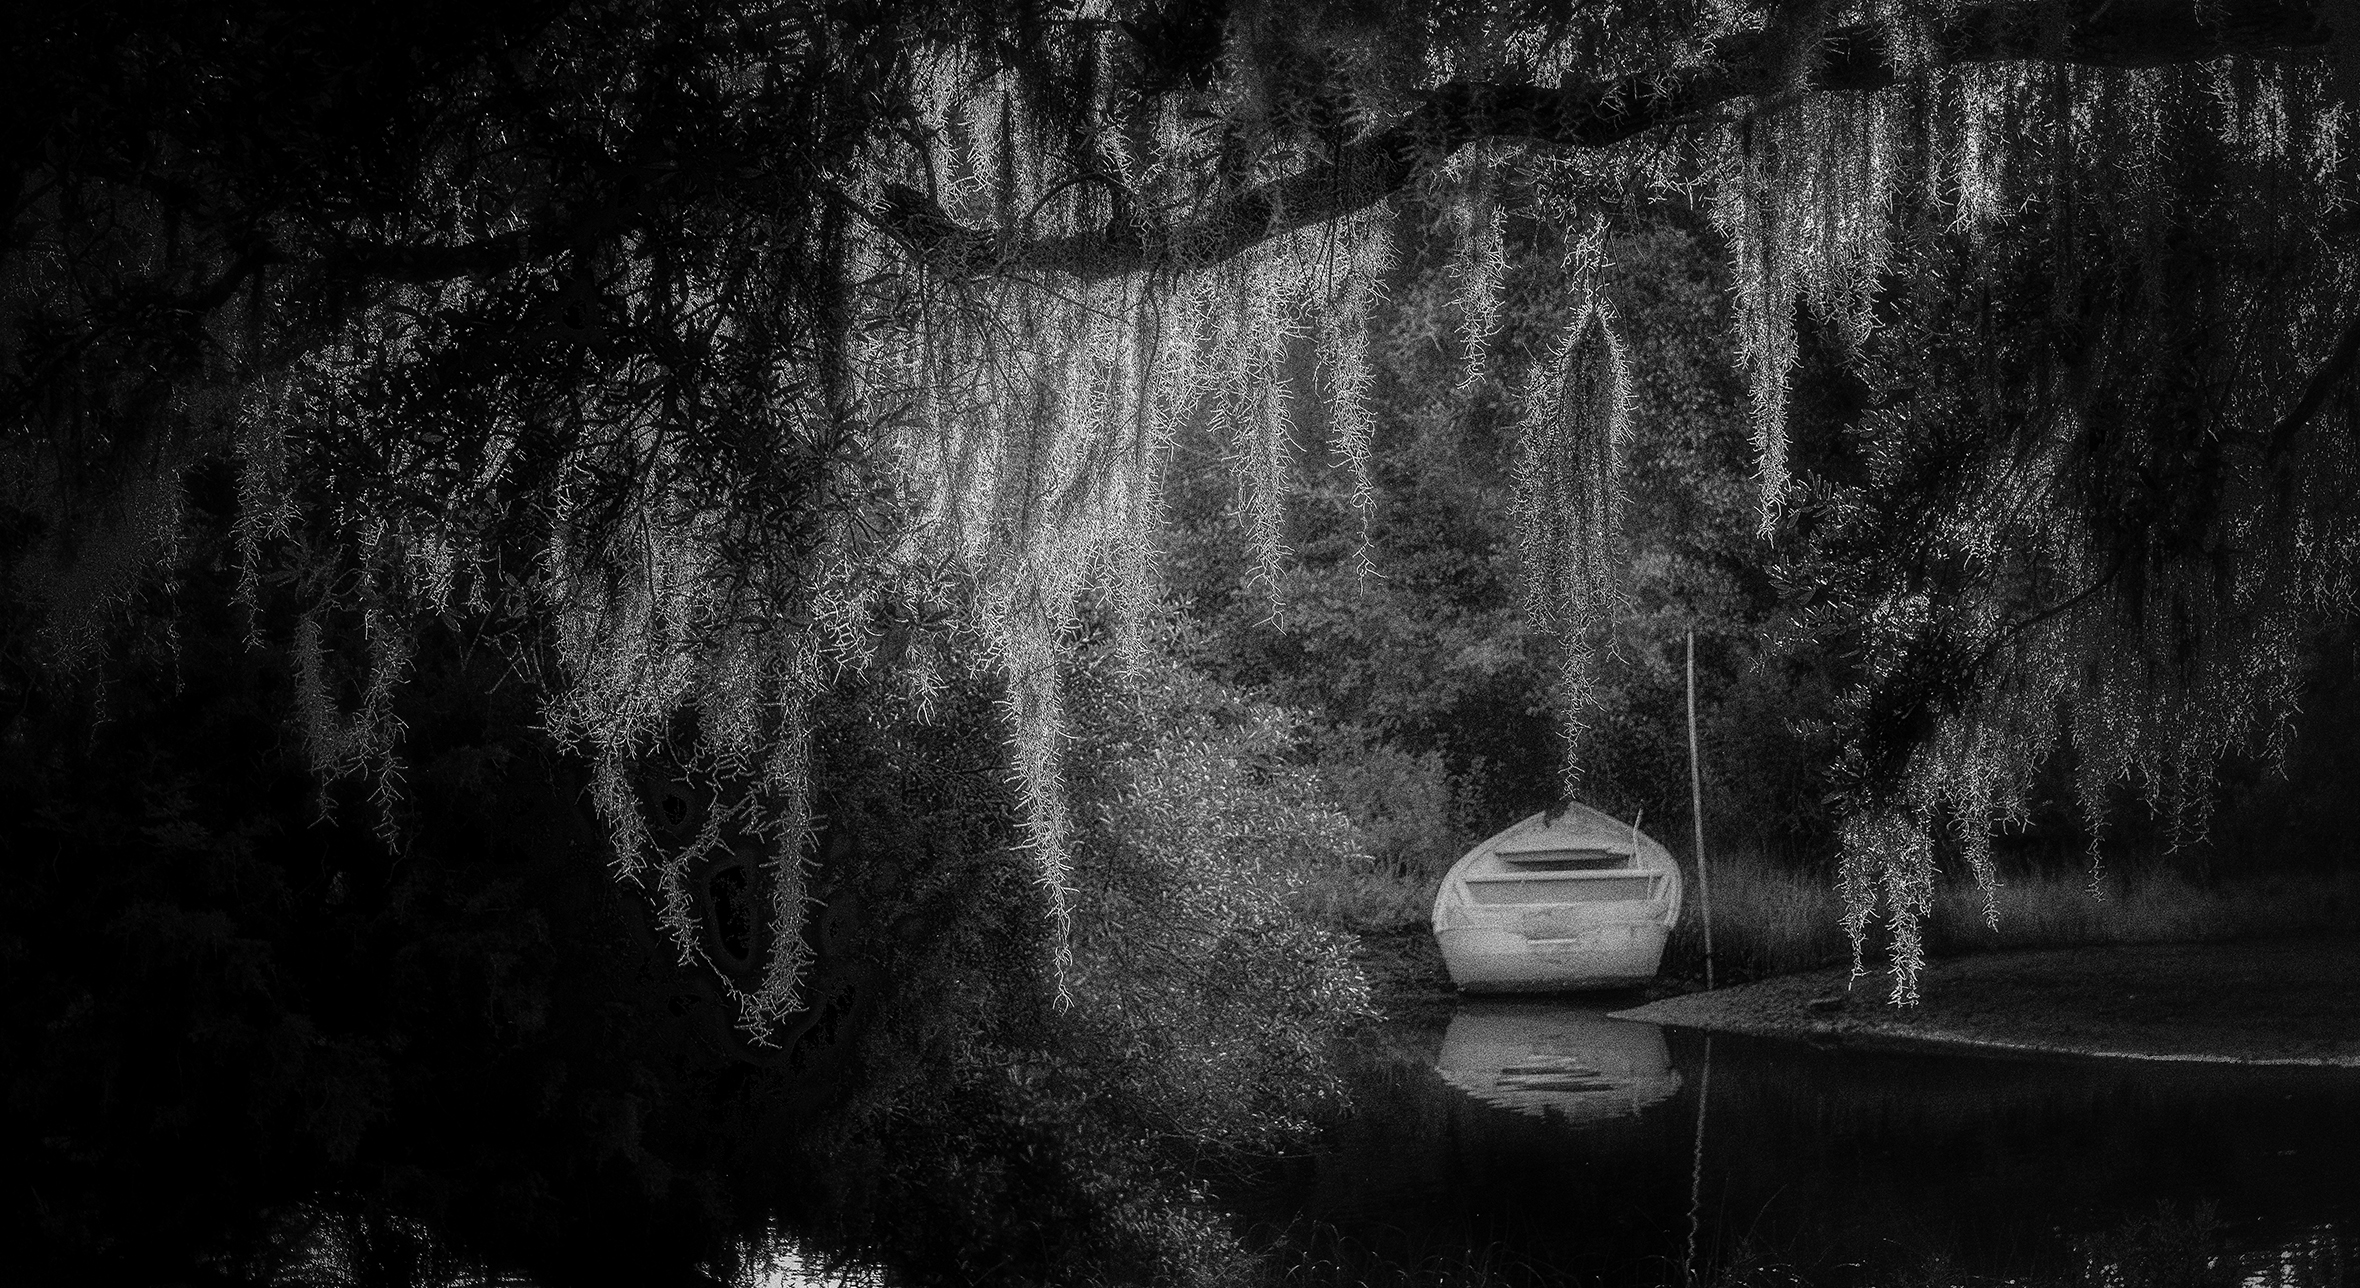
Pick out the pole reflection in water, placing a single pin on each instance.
(1704, 1097)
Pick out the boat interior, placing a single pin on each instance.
(1544, 855)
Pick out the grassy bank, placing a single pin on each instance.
(1769, 920)
(2292, 1000)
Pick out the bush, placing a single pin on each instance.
(1196, 974)
(1005, 1138)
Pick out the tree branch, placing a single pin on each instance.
(2107, 33)
(2315, 391)
(487, 257)
(2104, 579)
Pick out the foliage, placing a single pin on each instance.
(1409, 813)
(232, 1026)
(1214, 991)
(217, 1012)
(2048, 530)
(1001, 1130)
(699, 350)
(1429, 675)
(1567, 500)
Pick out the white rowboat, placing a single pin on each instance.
(1558, 904)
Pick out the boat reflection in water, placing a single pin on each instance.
(1545, 1057)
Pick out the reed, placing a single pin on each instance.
(1766, 921)
(2055, 910)
(1769, 920)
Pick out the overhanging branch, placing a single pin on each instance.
(421, 263)
(2108, 33)
(2315, 391)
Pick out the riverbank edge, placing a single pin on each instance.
(2281, 1003)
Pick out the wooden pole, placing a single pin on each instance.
(1704, 878)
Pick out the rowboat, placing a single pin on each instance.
(1560, 902)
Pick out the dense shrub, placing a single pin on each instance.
(235, 1027)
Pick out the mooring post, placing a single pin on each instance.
(1704, 879)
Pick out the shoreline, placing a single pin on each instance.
(2281, 1002)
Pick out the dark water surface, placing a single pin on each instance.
(1540, 1142)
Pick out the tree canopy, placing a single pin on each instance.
(695, 356)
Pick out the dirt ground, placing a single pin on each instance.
(2272, 1002)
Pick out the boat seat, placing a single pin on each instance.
(1545, 857)
(1565, 887)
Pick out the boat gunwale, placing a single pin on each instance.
(1567, 874)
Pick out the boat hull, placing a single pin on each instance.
(1561, 902)
(1615, 954)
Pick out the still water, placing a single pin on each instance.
(1539, 1143)
(1547, 1143)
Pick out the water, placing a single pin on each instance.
(1532, 1143)
(347, 1243)
(1546, 1143)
